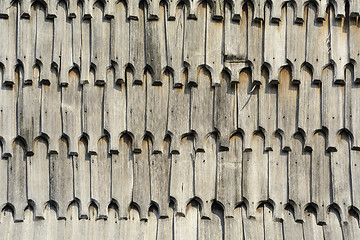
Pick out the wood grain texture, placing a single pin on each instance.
(179, 120)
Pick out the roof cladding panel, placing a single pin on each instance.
(185, 119)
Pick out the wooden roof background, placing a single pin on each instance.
(180, 120)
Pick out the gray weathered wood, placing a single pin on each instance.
(309, 118)
(333, 229)
(100, 173)
(141, 191)
(61, 177)
(255, 175)
(205, 174)
(157, 100)
(194, 50)
(229, 176)
(287, 102)
(81, 164)
(51, 110)
(114, 109)
(247, 107)
(225, 113)
(63, 36)
(122, 175)
(340, 175)
(182, 177)
(316, 41)
(159, 177)
(202, 100)
(71, 96)
(38, 176)
(311, 229)
(320, 176)
(92, 105)
(16, 190)
(278, 191)
(135, 112)
(274, 49)
(332, 106)
(299, 176)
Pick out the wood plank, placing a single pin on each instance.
(309, 118)
(287, 107)
(155, 41)
(272, 229)
(312, 231)
(120, 41)
(267, 102)
(141, 190)
(339, 51)
(114, 109)
(50, 116)
(229, 176)
(320, 176)
(100, 172)
(292, 230)
(122, 175)
(71, 103)
(38, 176)
(178, 121)
(205, 175)
(17, 189)
(332, 106)
(63, 51)
(135, 115)
(316, 41)
(157, 100)
(278, 164)
(202, 108)
(100, 43)
(333, 229)
(160, 178)
(255, 175)
(182, 175)
(61, 178)
(92, 116)
(299, 162)
(175, 35)
(255, 38)
(247, 107)
(194, 43)
(8, 43)
(28, 110)
(225, 113)
(82, 177)
(295, 40)
(340, 178)
(274, 41)
(44, 41)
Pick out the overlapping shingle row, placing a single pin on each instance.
(191, 226)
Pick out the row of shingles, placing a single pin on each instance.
(191, 226)
(60, 194)
(308, 177)
(278, 61)
(92, 228)
(217, 12)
